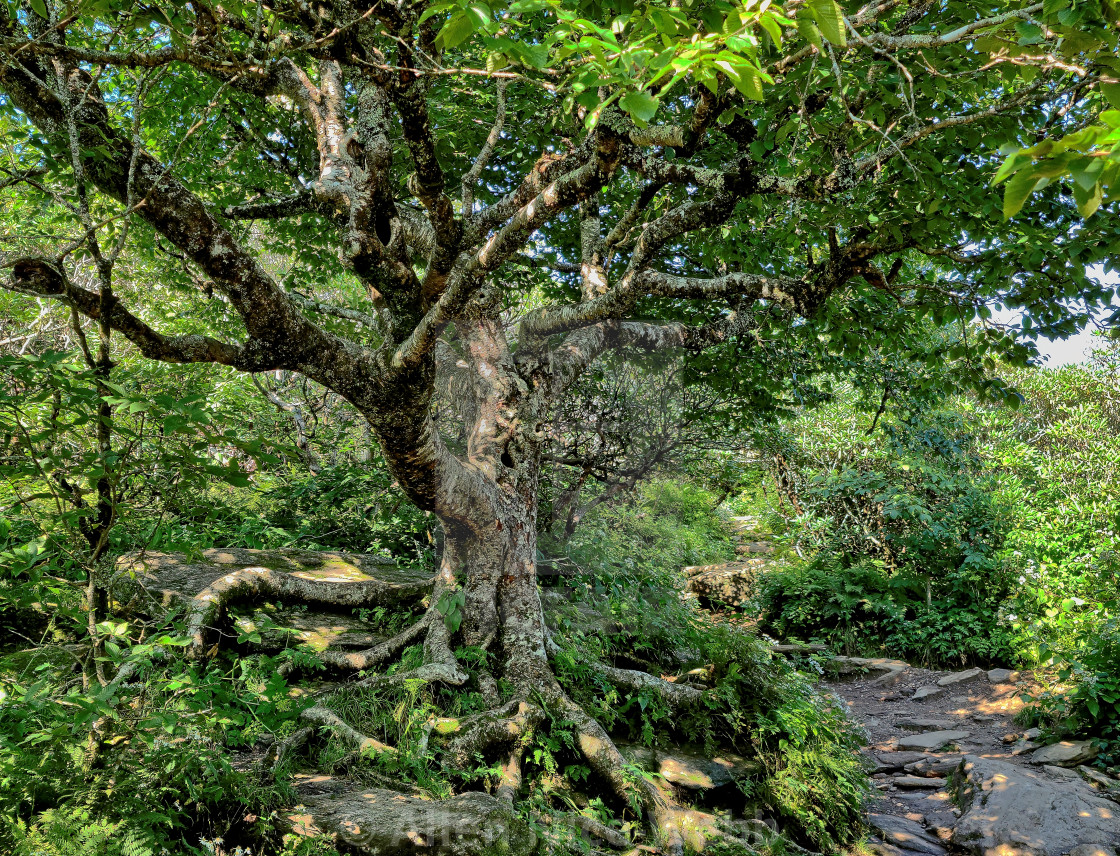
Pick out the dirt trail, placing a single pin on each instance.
(980, 712)
(953, 771)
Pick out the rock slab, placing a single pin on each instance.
(907, 835)
(922, 693)
(960, 677)
(1013, 811)
(931, 741)
(381, 822)
(1066, 754)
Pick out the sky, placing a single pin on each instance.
(1075, 349)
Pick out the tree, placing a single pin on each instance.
(707, 175)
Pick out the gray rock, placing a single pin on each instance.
(729, 583)
(923, 724)
(878, 847)
(1002, 676)
(942, 766)
(271, 629)
(916, 782)
(960, 677)
(387, 823)
(887, 670)
(905, 834)
(922, 693)
(931, 741)
(1107, 784)
(940, 823)
(687, 769)
(1015, 811)
(703, 774)
(1092, 850)
(1066, 754)
(1060, 772)
(889, 762)
(1022, 746)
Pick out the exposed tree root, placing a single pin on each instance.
(664, 816)
(611, 837)
(673, 694)
(513, 722)
(381, 653)
(510, 782)
(208, 607)
(281, 750)
(321, 716)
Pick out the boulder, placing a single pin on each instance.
(728, 584)
(699, 773)
(886, 670)
(1015, 811)
(387, 823)
(931, 741)
(960, 677)
(1068, 753)
(905, 834)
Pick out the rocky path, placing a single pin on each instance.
(955, 774)
(952, 771)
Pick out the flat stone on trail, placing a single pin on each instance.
(387, 823)
(1066, 754)
(922, 693)
(1015, 811)
(905, 834)
(889, 762)
(1001, 676)
(919, 782)
(936, 767)
(931, 741)
(960, 677)
(922, 724)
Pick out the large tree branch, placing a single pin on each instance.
(467, 276)
(802, 295)
(42, 278)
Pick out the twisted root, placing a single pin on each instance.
(207, 608)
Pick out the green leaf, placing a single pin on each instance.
(1111, 92)
(457, 30)
(1017, 190)
(1088, 201)
(830, 18)
(809, 31)
(40, 8)
(640, 105)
